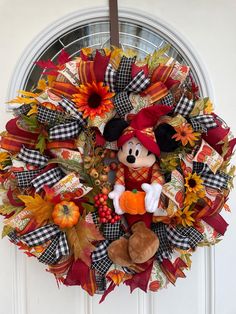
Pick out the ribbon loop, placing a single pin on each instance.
(32, 156)
(49, 178)
(184, 106)
(65, 131)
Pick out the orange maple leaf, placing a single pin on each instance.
(41, 209)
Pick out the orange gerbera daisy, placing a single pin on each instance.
(93, 100)
(185, 134)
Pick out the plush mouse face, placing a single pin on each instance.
(134, 155)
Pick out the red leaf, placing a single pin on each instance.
(82, 275)
(48, 64)
(63, 57)
(108, 290)
(140, 280)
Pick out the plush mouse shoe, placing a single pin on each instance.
(143, 243)
(139, 248)
(118, 252)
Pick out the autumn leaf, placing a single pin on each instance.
(118, 276)
(33, 110)
(8, 209)
(63, 57)
(80, 240)
(31, 122)
(6, 230)
(41, 143)
(40, 208)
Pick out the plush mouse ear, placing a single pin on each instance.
(163, 134)
(114, 128)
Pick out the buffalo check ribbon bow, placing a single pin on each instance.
(170, 237)
(122, 83)
(56, 249)
(72, 127)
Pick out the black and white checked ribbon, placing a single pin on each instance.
(123, 76)
(23, 109)
(24, 178)
(40, 235)
(138, 83)
(100, 260)
(203, 122)
(110, 77)
(46, 115)
(193, 235)
(32, 157)
(65, 131)
(218, 180)
(164, 250)
(100, 283)
(49, 178)
(69, 107)
(122, 104)
(101, 251)
(112, 231)
(168, 100)
(184, 106)
(57, 248)
(183, 239)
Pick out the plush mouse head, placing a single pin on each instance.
(134, 154)
(138, 143)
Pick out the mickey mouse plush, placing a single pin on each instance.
(139, 145)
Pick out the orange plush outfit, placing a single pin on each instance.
(133, 179)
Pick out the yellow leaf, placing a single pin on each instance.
(42, 84)
(27, 94)
(51, 79)
(80, 240)
(33, 110)
(22, 100)
(40, 208)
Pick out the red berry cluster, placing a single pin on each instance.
(105, 213)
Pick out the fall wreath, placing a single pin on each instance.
(57, 168)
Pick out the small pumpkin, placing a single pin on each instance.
(66, 214)
(133, 202)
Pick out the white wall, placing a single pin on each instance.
(209, 25)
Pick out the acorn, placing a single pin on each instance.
(103, 177)
(106, 169)
(93, 173)
(87, 159)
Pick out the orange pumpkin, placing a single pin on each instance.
(66, 214)
(132, 202)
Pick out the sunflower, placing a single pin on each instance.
(184, 217)
(193, 183)
(190, 198)
(185, 134)
(93, 100)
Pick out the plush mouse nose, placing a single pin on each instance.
(130, 159)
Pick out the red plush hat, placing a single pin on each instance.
(142, 127)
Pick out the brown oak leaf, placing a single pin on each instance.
(80, 238)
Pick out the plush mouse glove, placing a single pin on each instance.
(115, 196)
(153, 192)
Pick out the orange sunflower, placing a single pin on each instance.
(93, 100)
(185, 134)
